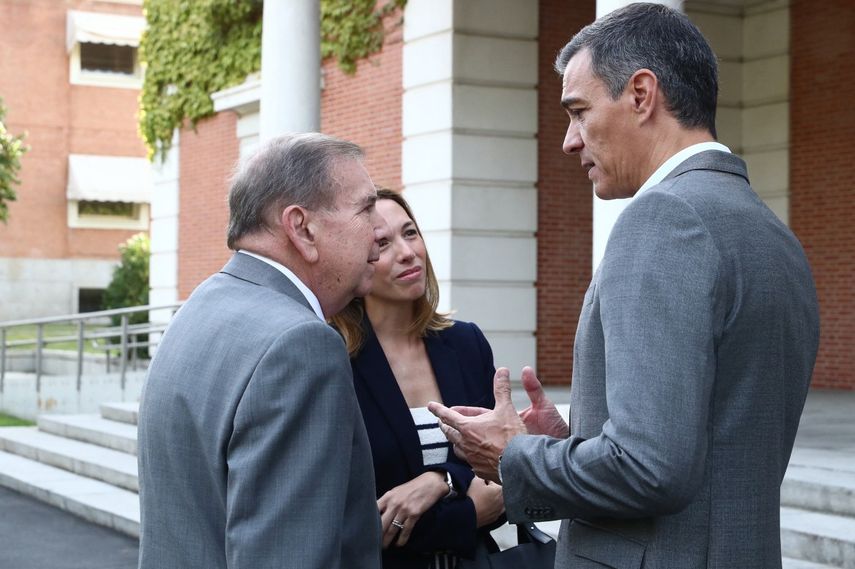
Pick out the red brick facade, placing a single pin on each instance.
(207, 156)
(822, 173)
(564, 203)
(59, 119)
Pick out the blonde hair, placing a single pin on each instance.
(425, 316)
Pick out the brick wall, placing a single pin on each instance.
(366, 107)
(564, 203)
(206, 158)
(59, 118)
(822, 173)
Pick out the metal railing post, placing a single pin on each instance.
(124, 364)
(79, 354)
(40, 340)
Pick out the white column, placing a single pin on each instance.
(469, 160)
(163, 265)
(291, 67)
(606, 212)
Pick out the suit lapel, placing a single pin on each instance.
(373, 370)
(252, 270)
(446, 368)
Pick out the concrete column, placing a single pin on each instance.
(163, 265)
(469, 160)
(606, 212)
(291, 67)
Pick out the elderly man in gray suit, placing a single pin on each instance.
(697, 337)
(252, 450)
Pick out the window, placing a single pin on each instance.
(105, 58)
(110, 209)
(89, 299)
(102, 49)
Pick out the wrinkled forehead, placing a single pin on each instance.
(577, 72)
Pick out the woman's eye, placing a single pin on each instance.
(410, 233)
(383, 243)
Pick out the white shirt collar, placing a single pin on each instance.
(310, 296)
(678, 159)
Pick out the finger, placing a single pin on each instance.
(452, 434)
(502, 387)
(532, 386)
(404, 536)
(469, 411)
(445, 415)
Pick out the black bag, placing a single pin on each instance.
(536, 550)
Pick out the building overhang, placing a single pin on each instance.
(109, 179)
(97, 27)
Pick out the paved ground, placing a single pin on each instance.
(34, 535)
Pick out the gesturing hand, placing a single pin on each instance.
(406, 503)
(480, 436)
(541, 417)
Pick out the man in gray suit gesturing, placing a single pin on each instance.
(252, 450)
(697, 337)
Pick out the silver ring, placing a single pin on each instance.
(397, 524)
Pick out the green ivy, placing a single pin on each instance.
(192, 48)
(11, 149)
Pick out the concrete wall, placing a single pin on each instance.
(31, 288)
(59, 393)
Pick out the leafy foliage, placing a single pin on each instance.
(193, 48)
(11, 149)
(129, 286)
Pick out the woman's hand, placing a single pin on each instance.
(488, 500)
(406, 503)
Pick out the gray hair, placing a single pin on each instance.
(658, 38)
(293, 169)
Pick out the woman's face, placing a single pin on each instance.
(399, 274)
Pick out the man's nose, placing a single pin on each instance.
(572, 140)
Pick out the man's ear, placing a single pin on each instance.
(301, 231)
(643, 89)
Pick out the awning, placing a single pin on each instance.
(97, 27)
(109, 179)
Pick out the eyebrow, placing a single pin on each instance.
(568, 102)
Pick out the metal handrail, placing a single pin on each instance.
(122, 332)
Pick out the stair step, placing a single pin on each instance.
(92, 428)
(821, 458)
(121, 412)
(789, 563)
(95, 501)
(108, 465)
(821, 538)
(819, 489)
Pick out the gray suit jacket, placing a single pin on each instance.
(252, 450)
(693, 355)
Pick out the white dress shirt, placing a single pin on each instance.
(310, 296)
(669, 165)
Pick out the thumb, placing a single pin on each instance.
(532, 386)
(502, 387)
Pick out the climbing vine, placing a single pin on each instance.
(11, 149)
(193, 48)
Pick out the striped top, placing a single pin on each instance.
(435, 447)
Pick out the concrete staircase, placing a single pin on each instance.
(84, 464)
(818, 507)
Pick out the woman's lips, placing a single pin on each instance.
(410, 274)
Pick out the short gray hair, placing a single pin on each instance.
(292, 169)
(658, 38)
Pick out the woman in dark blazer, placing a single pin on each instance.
(405, 354)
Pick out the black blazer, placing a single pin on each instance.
(463, 364)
